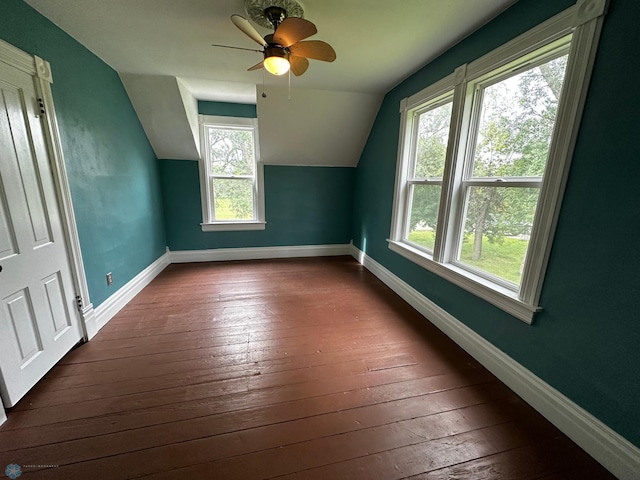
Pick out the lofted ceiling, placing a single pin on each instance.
(378, 44)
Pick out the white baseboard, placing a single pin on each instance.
(3, 414)
(258, 253)
(613, 451)
(112, 305)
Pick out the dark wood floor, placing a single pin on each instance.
(304, 368)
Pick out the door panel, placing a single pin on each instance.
(7, 233)
(27, 338)
(14, 102)
(38, 319)
(55, 301)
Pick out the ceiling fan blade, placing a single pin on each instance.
(257, 66)
(244, 25)
(236, 48)
(315, 49)
(292, 30)
(299, 65)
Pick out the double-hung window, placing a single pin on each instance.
(231, 178)
(430, 133)
(483, 158)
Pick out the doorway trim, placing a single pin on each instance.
(41, 71)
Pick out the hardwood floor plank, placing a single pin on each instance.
(274, 435)
(258, 331)
(130, 387)
(70, 376)
(239, 409)
(255, 390)
(389, 453)
(555, 459)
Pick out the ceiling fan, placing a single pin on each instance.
(286, 48)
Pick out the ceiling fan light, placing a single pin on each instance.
(276, 63)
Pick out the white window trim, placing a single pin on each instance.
(584, 22)
(208, 225)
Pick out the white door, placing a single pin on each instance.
(38, 319)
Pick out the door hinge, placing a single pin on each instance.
(41, 106)
(79, 302)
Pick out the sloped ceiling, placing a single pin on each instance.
(334, 134)
(168, 113)
(378, 44)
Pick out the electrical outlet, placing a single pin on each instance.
(109, 278)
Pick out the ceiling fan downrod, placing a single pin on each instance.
(275, 15)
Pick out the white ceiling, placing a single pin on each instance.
(378, 43)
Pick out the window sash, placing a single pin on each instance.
(477, 87)
(212, 176)
(214, 218)
(458, 235)
(415, 125)
(409, 209)
(209, 160)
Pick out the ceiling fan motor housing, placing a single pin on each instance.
(274, 50)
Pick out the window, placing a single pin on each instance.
(431, 132)
(483, 157)
(231, 174)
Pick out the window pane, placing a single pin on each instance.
(516, 122)
(233, 199)
(425, 200)
(231, 151)
(431, 142)
(497, 228)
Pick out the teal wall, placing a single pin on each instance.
(303, 205)
(226, 109)
(112, 170)
(586, 341)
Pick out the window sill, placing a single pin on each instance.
(232, 226)
(497, 295)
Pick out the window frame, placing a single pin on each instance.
(209, 224)
(474, 95)
(582, 22)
